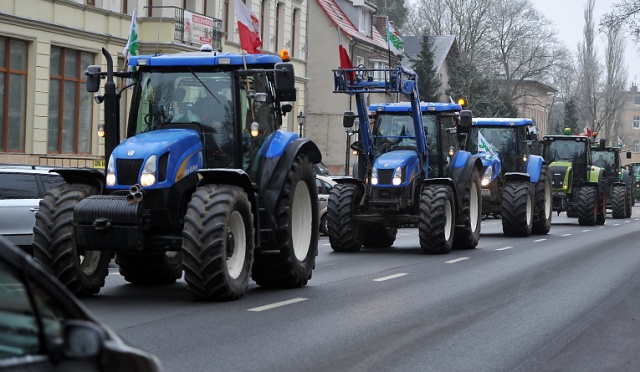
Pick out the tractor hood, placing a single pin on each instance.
(158, 142)
(560, 174)
(394, 159)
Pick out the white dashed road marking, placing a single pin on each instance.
(278, 304)
(389, 277)
(503, 248)
(616, 224)
(458, 260)
(586, 230)
(539, 240)
(566, 234)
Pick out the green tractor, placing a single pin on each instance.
(579, 187)
(634, 171)
(618, 180)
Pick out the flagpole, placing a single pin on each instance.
(386, 28)
(244, 62)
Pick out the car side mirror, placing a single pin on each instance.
(82, 339)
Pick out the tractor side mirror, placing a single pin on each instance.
(93, 78)
(286, 108)
(466, 118)
(357, 146)
(602, 144)
(348, 118)
(628, 154)
(285, 81)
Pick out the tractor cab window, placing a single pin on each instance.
(440, 138)
(507, 143)
(572, 151)
(604, 159)
(393, 132)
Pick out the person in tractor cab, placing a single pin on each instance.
(600, 162)
(565, 152)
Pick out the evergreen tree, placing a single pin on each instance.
(394, 9)
(571, 116)
(423, 65)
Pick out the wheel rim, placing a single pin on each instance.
(236, 238)
(448, 217)
(301, 220)
(89, 262)
(473, 207)
(529, 210)
(547, 200)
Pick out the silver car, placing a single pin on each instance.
(325, 184)
(21, 189)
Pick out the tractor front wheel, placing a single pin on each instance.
(587, 206)
(54, 243)
(467, 233)
(436, 226)
(618, 201)
(517, 209)
(544, 202)
(344, 234)
(218, 242)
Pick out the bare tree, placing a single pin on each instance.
(624, 15)
(589, 83)
(616, 77)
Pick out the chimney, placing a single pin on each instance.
(380, 23)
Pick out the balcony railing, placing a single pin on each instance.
(190, 28)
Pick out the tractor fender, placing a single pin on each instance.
(534, 166)
(625, 176)
(280, 155)
(595, 175)
(461, 173)
(87, 176)
(352, 181)
(234, 177)
(517, 177)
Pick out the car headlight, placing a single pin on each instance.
(397, 177)
(374, 176)
(111, 172)
(486, 178)
(148, 176)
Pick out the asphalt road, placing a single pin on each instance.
(566, 301)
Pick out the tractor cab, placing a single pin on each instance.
(567, 152)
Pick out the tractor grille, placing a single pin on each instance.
(557, 176)
(128, 171)
(385, 176)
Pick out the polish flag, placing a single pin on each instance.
(248, 28)
(345, 61)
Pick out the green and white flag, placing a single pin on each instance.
(131, 49)
(486, 147)
(394, 42)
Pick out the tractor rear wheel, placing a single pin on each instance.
(379, 236)
(157, 269)
(543, 202)
(467, 233)
(629, 201)
(344, 234)
(218, 242)
(587, 206)
(517, 209)
(601, 213)
(436, 226)
(618, 201)
(54, 243)
(289, 259)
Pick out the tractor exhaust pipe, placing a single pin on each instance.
(136, 194)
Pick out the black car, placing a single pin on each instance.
(44, 328)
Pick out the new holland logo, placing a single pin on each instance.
(131, 152)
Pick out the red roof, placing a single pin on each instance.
(337, 16)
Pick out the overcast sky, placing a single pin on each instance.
(568, 17)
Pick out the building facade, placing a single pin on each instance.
(46, 115)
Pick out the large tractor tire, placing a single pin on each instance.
(54, 242)
(296, 237)
(436, 226)
(587, 206)
(379, 236)
(344, 234)
(544, 203)
(629, 202)
(618, 201)
(601, 213)
(517, 209)
(158, 269)
(467, 233)
(218, 242)
(572, 213)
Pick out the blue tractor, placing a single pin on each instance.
(516, 183)
(204, 182)
(409, 170)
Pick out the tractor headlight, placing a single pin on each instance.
(148, 176)
(486, 178)
(397, 177)
(374, 176)
(565, 186)
(111, 172)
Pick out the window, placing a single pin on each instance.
(359, 61)
(91, 2)
(70, 106)
(18, 186)
(637, 100)
(636, 122)
(364, 22)
(226, 17)
(13, 93)
(636, 148)
(379, 75)
(294, 29)
(279, 24)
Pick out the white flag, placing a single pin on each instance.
(131, 49)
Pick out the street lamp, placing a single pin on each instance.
(301, 120)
